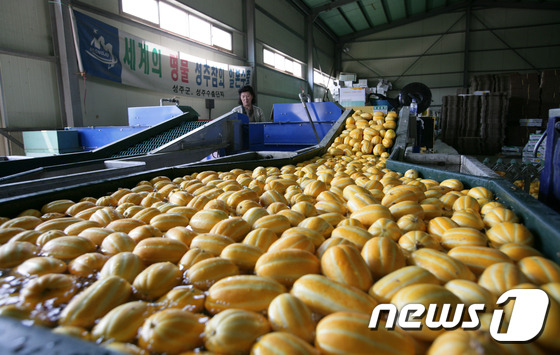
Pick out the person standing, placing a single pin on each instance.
(247, 105)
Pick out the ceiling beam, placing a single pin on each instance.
(330, 6)
(364, 14)
(305, 10)
(404, 21)
(529, 5)
(386, 11)
(406, 8)
(467, 46)
(476, 4)
(348, 22)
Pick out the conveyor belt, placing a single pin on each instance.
(157, 141)
(182, 123)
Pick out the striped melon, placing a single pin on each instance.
(348, 333)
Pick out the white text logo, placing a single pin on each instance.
(526, 322)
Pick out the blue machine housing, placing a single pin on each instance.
(549, 191)
(98, 136)
(291, 129)
(139, 118)
(147, 116)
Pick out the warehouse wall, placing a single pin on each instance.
(106, 103)
(30, 81)
(228, 12)
(431, 51)
(282, 27)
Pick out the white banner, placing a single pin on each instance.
(112, 54)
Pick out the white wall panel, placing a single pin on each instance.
(109, 104)
(438, 94)
(229, 12)
(274, 83)
(279, 37)
(31, 98)
(483, 40)
(407, 46)
(285, 13)
(443, 63)
(514, 17)
(29, 82)
(25, 26)
(498, 61)
(106, 5)
(275, 87)
(325, 49)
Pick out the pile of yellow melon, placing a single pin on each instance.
(534, 186)
(288, 260)
(366, 134)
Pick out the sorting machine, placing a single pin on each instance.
(166, 136)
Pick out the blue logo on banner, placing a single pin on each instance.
(99, 47)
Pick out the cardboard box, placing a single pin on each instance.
(530, 122)
(512, 149)
(531, 147)
(534, 137)
(347, 77)
(529, 154)
(526, 160)
(533, 142)
(364, 109)
(352, 97)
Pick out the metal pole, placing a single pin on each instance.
(303, 98)
(338, 58)
(250, 40)
(466, 61)
(4, 122)
(66, 63)
(310, 64)
(3, 115)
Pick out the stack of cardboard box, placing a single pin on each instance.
(512, 107)
(550, 92)
(450, 119)
(489, 83)
(474, 124)
(469, 140)
(524, 103)
(493, 121)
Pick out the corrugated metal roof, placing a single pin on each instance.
(351, 19)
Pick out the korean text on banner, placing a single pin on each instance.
(112, 54)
